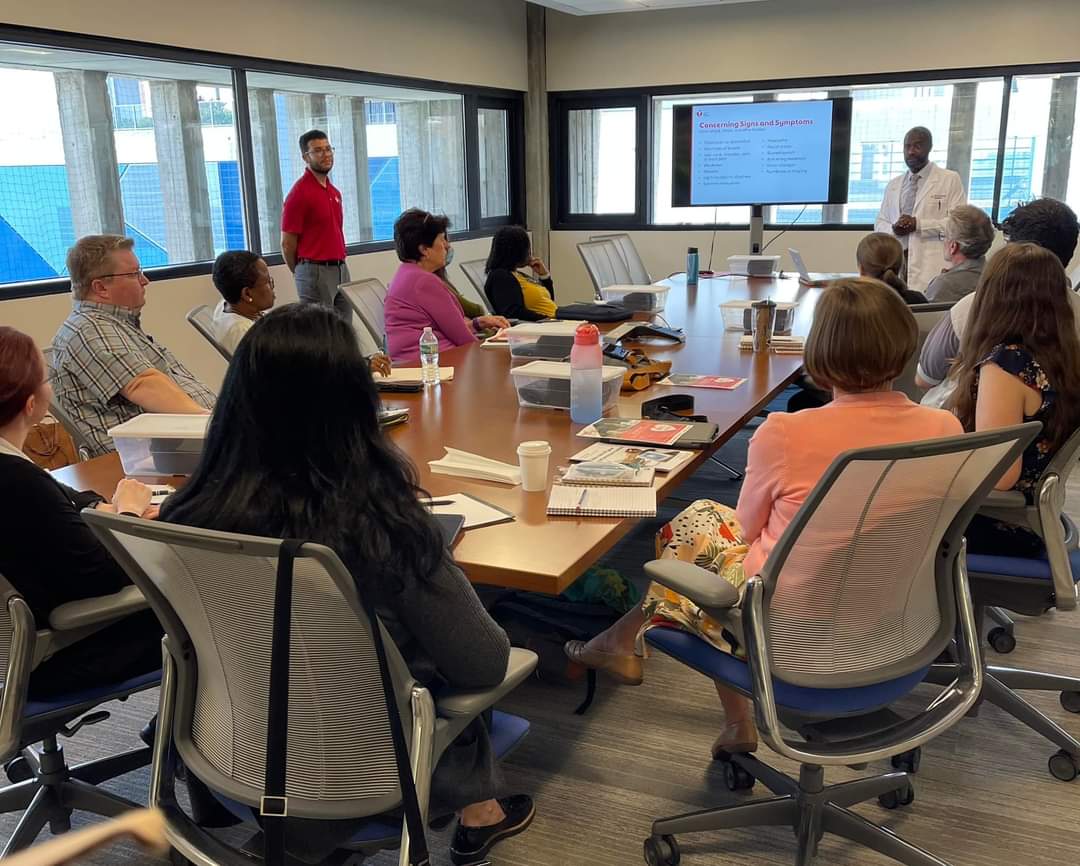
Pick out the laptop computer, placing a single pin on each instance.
(818, 280)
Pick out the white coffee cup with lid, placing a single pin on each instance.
(533, 459)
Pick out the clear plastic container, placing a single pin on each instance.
(546, 385)
(640, 299)
(542, 341)
(160, 444)
(737, 316)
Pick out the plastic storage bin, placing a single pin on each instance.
(541, 341)
(160, 444)
(737, 316)
(546, 384)
(640, 299)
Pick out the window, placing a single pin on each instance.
(603, 159)
(1042, 142)
(412, 155)
(95, 143)
(494, 151)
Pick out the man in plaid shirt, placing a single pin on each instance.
(104, 368)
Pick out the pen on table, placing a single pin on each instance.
(581, 499)
(431, 503)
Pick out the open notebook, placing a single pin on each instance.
(602, 501)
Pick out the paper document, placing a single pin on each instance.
(636, 430)
(604, 474)
(414, 374)
(663, 460)
(602, 501)
(688, 380)
(476, 512)
(466, 465)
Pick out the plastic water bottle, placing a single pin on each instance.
(691, 267)
(586, 376)
(429, 357)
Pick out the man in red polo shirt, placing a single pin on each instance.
(312, 240)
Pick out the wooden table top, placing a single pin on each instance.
(478, 412)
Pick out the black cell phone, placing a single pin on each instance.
(399, 387)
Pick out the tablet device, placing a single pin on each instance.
(450, 525)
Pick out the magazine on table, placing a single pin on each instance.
(662, 460)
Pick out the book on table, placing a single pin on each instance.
(466, 465)
(605, 474)
(663, 460)
(642, 431)
(568, 501)
(411, 375)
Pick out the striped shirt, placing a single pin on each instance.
(96, 353)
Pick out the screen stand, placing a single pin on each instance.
(757, 228)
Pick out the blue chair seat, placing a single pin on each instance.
(506, 732)
(90, 697)
(1018, 566)
(706, 659)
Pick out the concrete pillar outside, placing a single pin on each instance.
(537, 167)
(181, 160)
(962, 130)
(1059, 137)
(303, 111)
(264, 142)
(584, 144)
(431, 157)
(89, 152)
(346, 126)
(494, 176)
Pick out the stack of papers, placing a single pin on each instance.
(475, 511)
(780, 345)
(466, 465)
(663, 460)
(604, 474)
(414, 374)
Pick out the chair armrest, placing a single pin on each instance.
(1004, 499)
(469, 703)
(707, 590)
(95, 611)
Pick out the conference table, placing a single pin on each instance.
(478, 412)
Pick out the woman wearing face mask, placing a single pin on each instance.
(418, 298)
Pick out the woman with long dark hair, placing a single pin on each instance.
(512, 293)
(1019, 361)
(327, 473)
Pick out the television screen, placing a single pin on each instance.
(740, 153)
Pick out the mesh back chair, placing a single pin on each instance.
(367, 298)
(865, 588)
(634, 265)
(212, 591)
(1032, 587)
(82, 445)
(926, 317)
(43, 783)
(605, 264)
(201, 319)
(474, 288)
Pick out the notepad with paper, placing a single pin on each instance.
(476, 512)
(602, 501)
(466, 465)
(414, 374)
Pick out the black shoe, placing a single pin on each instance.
(471, 844)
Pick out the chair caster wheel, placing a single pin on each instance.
(18, 770)
(1001, 640)
(662, 851)
(895, 799)
(908, 762)
(1069, 700)
(736, 778)
(1063, 766)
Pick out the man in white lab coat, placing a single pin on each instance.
(915, 206)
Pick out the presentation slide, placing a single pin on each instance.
(761, 152)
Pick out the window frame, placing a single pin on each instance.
(239, 65)
(560, 103)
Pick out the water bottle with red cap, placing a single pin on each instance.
(586, 376)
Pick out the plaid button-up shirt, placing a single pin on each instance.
(96, 353)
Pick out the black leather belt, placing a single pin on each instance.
(333, 263)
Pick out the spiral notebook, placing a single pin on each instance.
(602, 501)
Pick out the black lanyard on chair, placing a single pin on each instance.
(274, 806)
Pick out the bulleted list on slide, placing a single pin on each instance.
(744, 153)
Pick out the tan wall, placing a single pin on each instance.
(466, 42)
(169, 301)
(799, 38)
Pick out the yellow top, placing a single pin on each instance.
(536, 297)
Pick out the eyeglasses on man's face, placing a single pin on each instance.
(320, 151)
(139, 274)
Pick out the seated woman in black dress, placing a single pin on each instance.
(512, 293)
(327, 473)
(1019, 361)
(48, 554)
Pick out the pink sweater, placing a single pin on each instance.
(790, 452)
(418, 299)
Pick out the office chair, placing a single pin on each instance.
(926, 317)
(367, 298)
(82, 445)
(605, 265)
(1032, 587)
(861, 593)
(43, 783)
(213, 592)
(201, 319)
(477, 278)
(634, 265)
